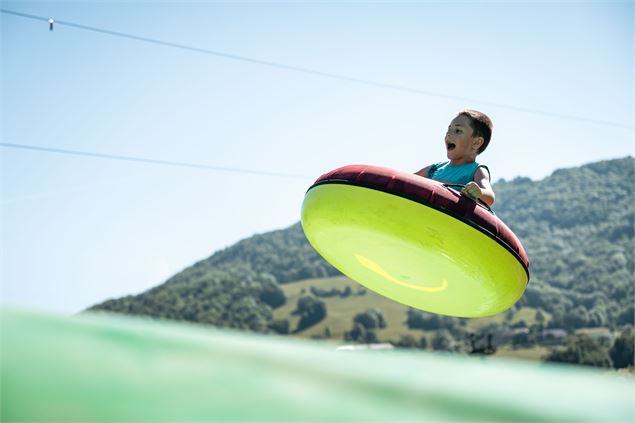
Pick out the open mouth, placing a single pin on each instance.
(450, 146)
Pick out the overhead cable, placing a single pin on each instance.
(152, 161)
(320, 73)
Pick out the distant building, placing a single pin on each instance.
(362, 347)
(553, 336)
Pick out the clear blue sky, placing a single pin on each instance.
(78, 230)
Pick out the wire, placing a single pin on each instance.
(152, 161)
(323, 74)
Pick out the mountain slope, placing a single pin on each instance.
(578, 228)
(576, 225)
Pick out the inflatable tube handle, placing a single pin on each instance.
(481, 202)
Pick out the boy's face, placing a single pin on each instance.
(461, 146)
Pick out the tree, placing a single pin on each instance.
(520, 339)
(245, 313)
(442, 341)
(540, 316)
(370, 319)
(272, 294)
(359, 333)
(627, 316)
(311, 311)
(423, 342)
(407, 341)
(509, 314)
(622, 350)
(280, 326)
(581, 349)
(418, 319)
(481, 344)
(346, 292)
(576, 318)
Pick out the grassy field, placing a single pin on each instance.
(341, 311)
(535, 353)
(597, 332)
(527, 314)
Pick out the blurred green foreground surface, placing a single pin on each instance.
(110, 368)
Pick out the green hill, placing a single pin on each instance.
(577, 226)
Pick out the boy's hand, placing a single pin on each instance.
(472, 190)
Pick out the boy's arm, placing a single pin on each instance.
(480, 188)
(423, 172)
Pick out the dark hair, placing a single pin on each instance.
(481, 126)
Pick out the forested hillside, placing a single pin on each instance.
(577, 226)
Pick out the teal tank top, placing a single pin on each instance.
(450, 174)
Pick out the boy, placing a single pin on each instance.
(468, 135)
